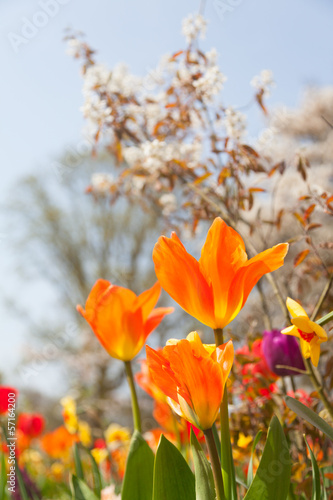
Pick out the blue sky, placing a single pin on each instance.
(40, 87)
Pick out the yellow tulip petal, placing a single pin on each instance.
(291, 330)
(295, 308)
(305, 348)
(303, 324)
(319, 331)
(315, 353)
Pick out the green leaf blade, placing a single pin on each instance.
(309, 415)
(138, 479)
(316, 494)
(273, 475)
(250, 470)
(81, 490)
(173, 479)
(204, 480)
(77, 462)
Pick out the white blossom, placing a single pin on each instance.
(74, 47)
(102, 183)
(169, 203)
(193, 26)
(96, 77)
(210, 84)
(123, 82)
(235, 123)
(264, 81)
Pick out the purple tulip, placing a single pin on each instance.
(282, 349)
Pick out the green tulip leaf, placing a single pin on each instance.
(138, 480)
(3, 476)
(273, 475)
(250, 469)
(204, 480)
(77, 462)
(309, 415)
(81, 490)
(173, 479)
(316, 493)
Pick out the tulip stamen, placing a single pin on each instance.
(306, 336)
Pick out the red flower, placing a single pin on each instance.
(31, 424)
(7, 399)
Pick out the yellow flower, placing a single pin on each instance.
(69, 414)
(84, 433)
(57, 470)
(117, 434)
(311, 334)
(99, 454)
(243, 441)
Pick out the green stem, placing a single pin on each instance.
(217, 440)
(318, 386)
(216, 466)
(228, 469)
(322, 321)
(325, 319)
(218, 333)
(321, 300)
(135, 405)
(293, 384)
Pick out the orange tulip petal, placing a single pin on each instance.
(225, 357)
(155, 318)
(180, 276)
(221, 256)
(200, 382)
(148, 300)
(249, 275)
(116, 326)
(272, 259)
(99, 288)
(161, 373)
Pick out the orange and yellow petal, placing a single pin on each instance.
(147, 300)
(161, 373)
(197, 377)
(222, 255)
(225, 357)
(180, 276)
(155, 318)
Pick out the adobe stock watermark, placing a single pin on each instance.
(225, 7)
(30, 28)
(73, 158)
(48, 353)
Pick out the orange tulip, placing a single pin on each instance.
(192, 375)
(215, 288)
(58, 443)
(122, 320)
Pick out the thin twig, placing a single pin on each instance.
(322, 298)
